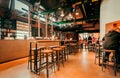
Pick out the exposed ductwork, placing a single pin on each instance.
(88, 12)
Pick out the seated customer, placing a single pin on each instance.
(111, 42)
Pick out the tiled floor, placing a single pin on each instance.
(80, 65)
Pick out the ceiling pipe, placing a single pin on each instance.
(77, 20)
(84, 10)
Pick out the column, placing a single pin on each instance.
(29, 34)
(39, 26)
(46, 27)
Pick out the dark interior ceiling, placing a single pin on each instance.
(88, 13)
(86, 21)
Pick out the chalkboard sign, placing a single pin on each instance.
(9, 24)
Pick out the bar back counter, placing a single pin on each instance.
(15, 49)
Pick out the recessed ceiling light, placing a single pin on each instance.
(90, 4)
(76, 13)
(62, 15)
(59, 8)
(91, 13)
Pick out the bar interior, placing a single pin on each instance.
(59, 39)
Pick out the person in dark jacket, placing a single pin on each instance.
(89, 39)
(111, 42)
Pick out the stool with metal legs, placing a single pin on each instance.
(59, 57)
(64, 52)
(32, 59)
(48, 62)
(41, 57)
(106, 62)
(73, 47)
(54, 55)
(67, 50)
(98, 54)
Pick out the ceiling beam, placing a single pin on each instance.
(83, 7)
(90, 31)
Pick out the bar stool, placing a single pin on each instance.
(48, 63)
(64, 52)
(112, 54)
(35, 57)
(32, 59)
(98, 53)
(59, 57)
(51, 47)
(90, 47)
(40, 48)
(67, 49)
(41, 56)
(73, 47)
(54, 55)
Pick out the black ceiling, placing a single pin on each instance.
(91, 6)
(90, 10)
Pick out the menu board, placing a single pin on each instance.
(9, 24)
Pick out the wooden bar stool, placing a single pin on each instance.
(48, 62)
(73, 47)
(112, 54)
(64, 52)
(51, 47)
(67, 49)
(33, 57)
(98, 53)
(41, 57)
(59, 57)
(40, 48)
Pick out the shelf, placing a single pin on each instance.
(22, 30)
(22, 26)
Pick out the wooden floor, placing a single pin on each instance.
(80, 65)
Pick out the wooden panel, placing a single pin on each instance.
(13, 49)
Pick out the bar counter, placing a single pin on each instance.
(15, 49)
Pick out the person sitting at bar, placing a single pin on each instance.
(111, 42)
